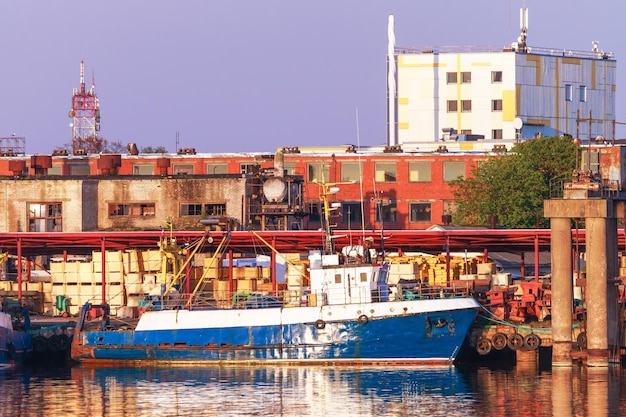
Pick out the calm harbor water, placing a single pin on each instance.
(522, 390)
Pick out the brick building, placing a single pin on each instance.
(380, 187)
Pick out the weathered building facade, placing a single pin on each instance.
(379, 188)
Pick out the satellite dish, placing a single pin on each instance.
(517, 123)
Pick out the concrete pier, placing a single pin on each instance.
(596, 294)
(601, 248)
(562, 291)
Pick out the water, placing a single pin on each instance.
(312, 391)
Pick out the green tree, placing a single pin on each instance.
(513, 186)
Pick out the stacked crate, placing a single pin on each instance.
(129, 276)
(297, 278)
(216, 274)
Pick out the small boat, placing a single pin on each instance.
(343, 313)
(15, 344)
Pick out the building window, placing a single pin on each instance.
(496, 105)
(132, 210)
(315, 172)
(451, 77)
(496, 77)
(449, 206)
(419, 171)
(453, 170)
(466, 77)
(45, 217)
(385, 172)
(56, 169)
(420, 212)
(452, 106)
(313, 208)
(143, 170)
(350, 171)
(248, 168)
(351, 212)
(289, 168)
(496, 134)
(207, 209)
(386, 211)
(79, 169)
(466, 105)
(583, 93)
(213, 169)
(568, 92)
(179, 169)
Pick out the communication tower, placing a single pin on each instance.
(85, 115)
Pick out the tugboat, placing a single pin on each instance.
(345, 315)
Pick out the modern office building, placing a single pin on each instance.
(513, 92)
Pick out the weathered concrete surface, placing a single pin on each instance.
(602, 267)
(562, 291)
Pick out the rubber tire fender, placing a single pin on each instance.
(499, 341)
(532, 341)
(63, 342)
(516, 341)
(363, 319)
(483, 346)
(320, 324)
(39, 344)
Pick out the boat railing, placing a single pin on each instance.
(305, 297)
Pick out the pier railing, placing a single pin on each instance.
(304, 297)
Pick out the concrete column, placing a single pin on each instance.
(612, 295)
(596, 292)
(562, 291)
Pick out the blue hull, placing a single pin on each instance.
(417, 338)
(15, 347)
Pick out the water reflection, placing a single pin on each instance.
(318, 391)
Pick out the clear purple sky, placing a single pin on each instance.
(249, 75)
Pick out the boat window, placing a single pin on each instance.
(363, 277)
(337, 278)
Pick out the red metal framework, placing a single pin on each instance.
(515, 241)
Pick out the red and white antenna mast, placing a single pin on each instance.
(85, 115)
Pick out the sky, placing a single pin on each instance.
(251, 75)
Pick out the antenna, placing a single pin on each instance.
(391, 82)
(85, 115)
(358, 143)
(523, 21)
